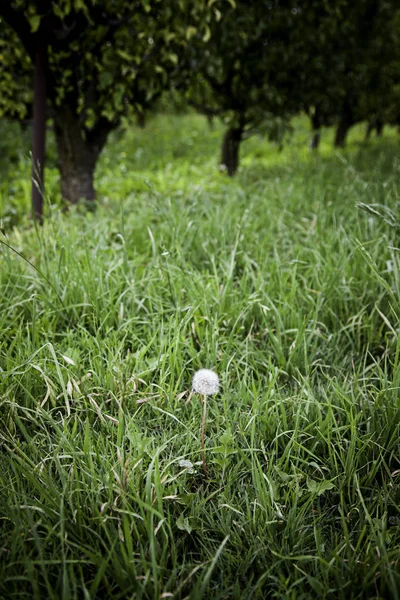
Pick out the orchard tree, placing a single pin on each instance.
(307, 67)
(381, 102)
(233, 73)
(340, 56)
(361, 26)
(96, 61)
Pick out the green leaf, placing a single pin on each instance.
(35, 23)
(173, 58)
(190, 32)
(319, 487)
(207, 34)
(125, 55)
(183, 524)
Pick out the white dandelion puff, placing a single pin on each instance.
(205, 382)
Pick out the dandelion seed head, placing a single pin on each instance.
(205, 382)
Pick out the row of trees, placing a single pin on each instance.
(89, 64)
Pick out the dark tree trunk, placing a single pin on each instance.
(230, 150)
(346, 121)
(315, 141)
(316, 127)
(369, 129)
(377, 124)
(140, 119)
(39, 132)
(341, 134)
(78, 151)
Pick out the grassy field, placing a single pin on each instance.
(279, 282)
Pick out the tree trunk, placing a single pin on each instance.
(140, 119)
(316, 127)
(230, 150)
(316, 138)
(346, 121)
(39, 133)
(341, 134)
(377, 124)
(369, 129)
(78, 151)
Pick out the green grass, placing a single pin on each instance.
(278, 282)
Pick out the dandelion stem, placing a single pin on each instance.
(203, 427)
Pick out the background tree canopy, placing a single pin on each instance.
(255, 64)
(106, 60)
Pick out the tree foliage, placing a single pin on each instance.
(107, 59)
(236, 75)
(16, 76)
(254, 63)
(267, 60)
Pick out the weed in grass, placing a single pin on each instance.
(205, 383)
